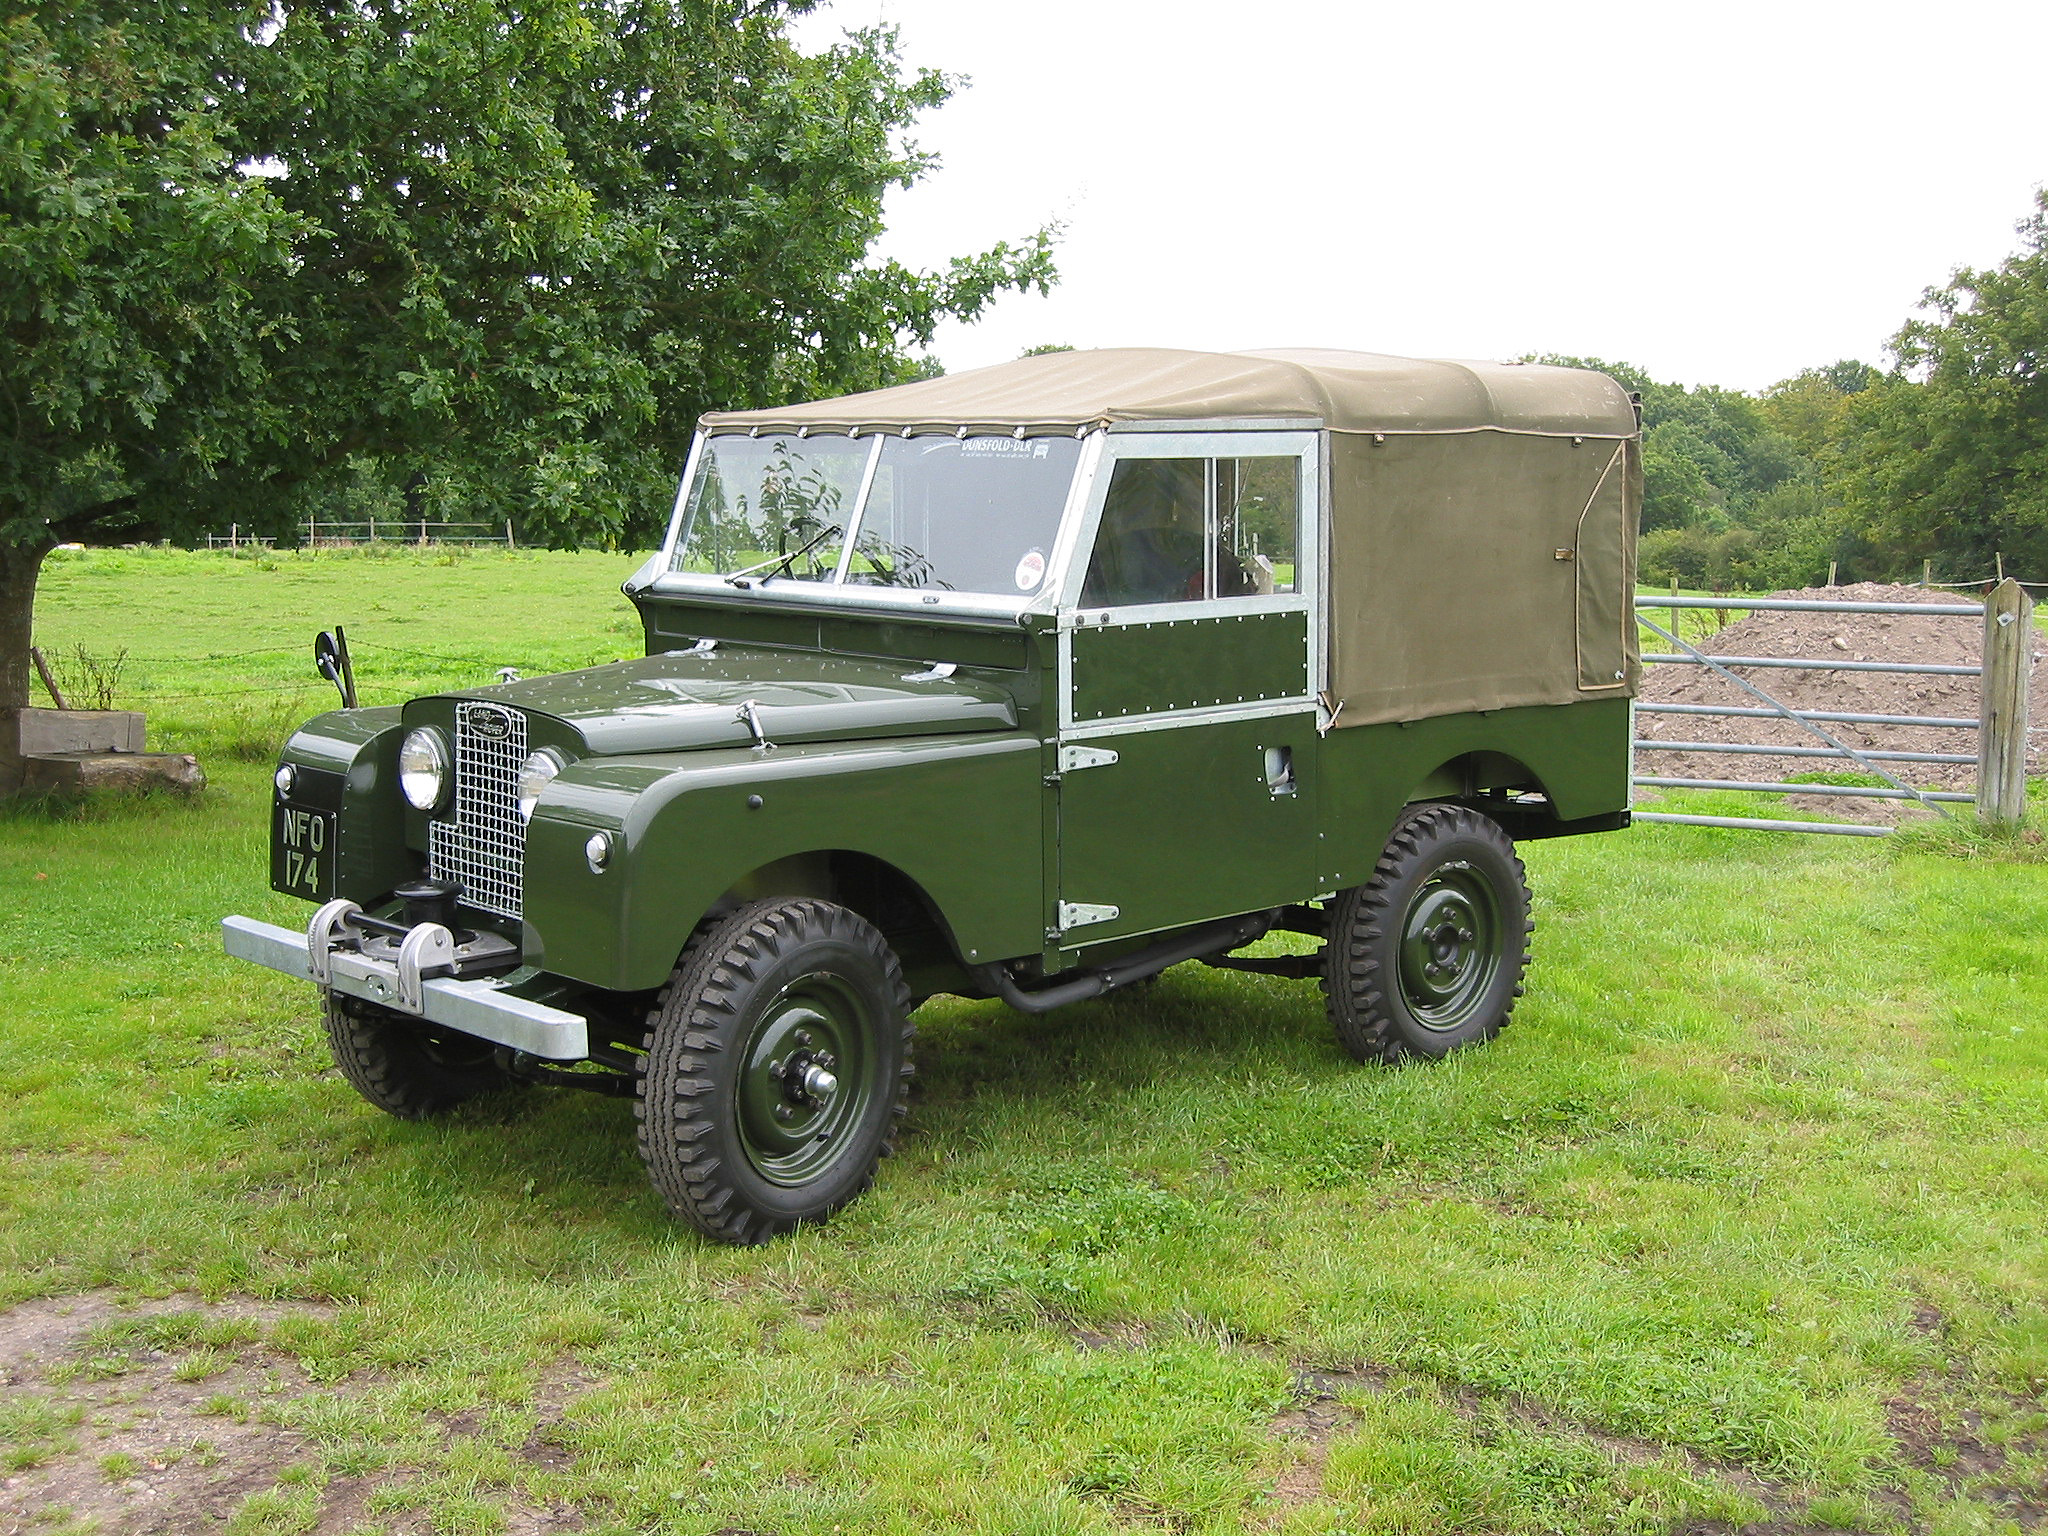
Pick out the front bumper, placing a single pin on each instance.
(481, 1007)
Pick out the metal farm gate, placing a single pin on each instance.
(2000, 748)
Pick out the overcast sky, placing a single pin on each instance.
(1721, 193)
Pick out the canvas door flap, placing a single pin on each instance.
(1605, 544)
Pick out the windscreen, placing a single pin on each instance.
(776, 505)
(974, 514)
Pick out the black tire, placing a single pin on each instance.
(732, 1140)
(1427, 956)
(405, 1067)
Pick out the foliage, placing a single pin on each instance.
(1709, 454)
(502, 254)
(1735, 486)
(90, 679)
(1950, 456)
(138, 268)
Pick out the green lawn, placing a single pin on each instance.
(1741, 1221)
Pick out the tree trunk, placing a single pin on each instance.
(20, 564)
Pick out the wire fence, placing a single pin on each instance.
(345, 533)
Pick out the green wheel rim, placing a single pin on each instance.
(1450, 946)
(806, 1079)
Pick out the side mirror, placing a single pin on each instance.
(330, 657)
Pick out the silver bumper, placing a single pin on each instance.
(481, 1008)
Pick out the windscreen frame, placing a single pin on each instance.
(839, 593)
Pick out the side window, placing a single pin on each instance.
(1187, 530)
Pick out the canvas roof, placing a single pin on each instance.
(1345, 391)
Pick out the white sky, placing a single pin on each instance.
(1721, 193)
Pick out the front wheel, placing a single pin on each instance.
(406, 1066)
(1428, 954)
(777, 1062)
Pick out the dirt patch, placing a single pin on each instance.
(105, 1428)
(1943, 640)
(1951, 1445)
(1317, 1417)
(1120, 1336)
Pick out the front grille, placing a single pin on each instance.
(482, 841)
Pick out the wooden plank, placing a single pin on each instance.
(2002, 718)
(35, 653)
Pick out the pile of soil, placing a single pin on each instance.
(1949, 640)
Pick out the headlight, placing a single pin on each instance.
(423, 774)
(535, 774)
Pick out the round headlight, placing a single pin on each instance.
(535, 774)
(423, 775)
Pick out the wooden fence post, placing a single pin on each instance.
(2002, 712)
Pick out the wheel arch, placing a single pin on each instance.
(888, 897)
(1470, 776)
(1502, 786)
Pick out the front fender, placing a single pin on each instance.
(345, 765)
(959, 815)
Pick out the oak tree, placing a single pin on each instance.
(514, 249)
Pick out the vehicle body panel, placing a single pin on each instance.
(1575, 754)
(1151, 666)
(957, 815)
(1187, 824)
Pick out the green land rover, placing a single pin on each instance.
(1025, 683)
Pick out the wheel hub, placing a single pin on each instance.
(796, 1101)
(1449, 945)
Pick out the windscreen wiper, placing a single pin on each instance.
(778, 565)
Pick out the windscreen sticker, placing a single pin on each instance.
(1030, 570)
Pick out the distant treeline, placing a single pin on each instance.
(1944, 458)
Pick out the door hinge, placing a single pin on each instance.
(1080, 914)
(1074, 759)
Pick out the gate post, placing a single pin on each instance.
(2002, 711)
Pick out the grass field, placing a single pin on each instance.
(1740, 1224)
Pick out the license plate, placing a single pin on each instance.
(302, 846)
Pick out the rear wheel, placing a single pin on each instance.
(403, 1065)
(777, 1061)
(1427, 956)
